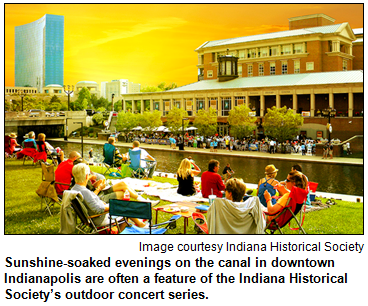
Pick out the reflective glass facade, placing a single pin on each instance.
(39, 52)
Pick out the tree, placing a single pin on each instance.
(282, 123)
(117, 106)
(55, 104)
(97, 118)
(175, 120)
(81, 103)
(206, 121)
(149, 121)
(160, 87)
(98, 103)
(242, 125)
(126, 121)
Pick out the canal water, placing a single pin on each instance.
(342, 179)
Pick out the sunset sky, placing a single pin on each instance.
(153, 43)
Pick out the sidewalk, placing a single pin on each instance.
(251, 154)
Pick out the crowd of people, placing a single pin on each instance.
(299, 145)
(37, 150)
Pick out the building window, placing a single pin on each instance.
(209, 73)
(310, 66)
(239, 101)
(241, 54)
(156, 105)
(274, 51)
(284, 67)
(212, 102)
(286, 49)
(298, 48)
(166, 103)
(250, 70)
(252, 53)
(272, 68)
(226, 106)
(296, 66)
(260, 69)
(176, 103)
(188, 103)
(264, 52)
(213, 56)
(200, 103)
(344, 65)
(240, 70)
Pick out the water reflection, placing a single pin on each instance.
(331, 178)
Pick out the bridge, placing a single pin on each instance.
(53, 125)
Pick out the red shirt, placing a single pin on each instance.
(211, 182)
(63, 174)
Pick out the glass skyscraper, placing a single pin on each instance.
(39, 52)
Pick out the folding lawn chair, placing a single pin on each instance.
(200, 223)
(47, 190)
(295, 202)
(29, 152)
(136, 164)
(109, 158)
(87, 224)
(142, 210)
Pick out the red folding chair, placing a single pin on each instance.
(296, 200)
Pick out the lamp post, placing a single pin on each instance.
(112, 102)
(68, 92)
(66, 129)
(330, 113)
(182, 125)
(81, 123)
(22, 95)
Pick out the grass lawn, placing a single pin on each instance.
(23, 214)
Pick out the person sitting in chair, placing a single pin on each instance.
(10, 146)
(231, 215)
(211, 180)
(227, 172)
(267, 183)
(144, 155)
(185, 177)
(294, 178)
(29, 146)
(119, 159)
(64, 174)
(95, 205)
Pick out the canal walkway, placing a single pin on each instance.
(249, 154)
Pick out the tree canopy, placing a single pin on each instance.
(160, 87)
(206, 121)
(282, 123)
(175, 120)
(242, 125)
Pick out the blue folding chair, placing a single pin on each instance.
(109, 158)
(142, 210)
(136, 164)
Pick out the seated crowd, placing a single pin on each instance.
(75, 173)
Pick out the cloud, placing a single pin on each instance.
(121, 30)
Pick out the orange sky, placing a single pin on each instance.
(151, 43)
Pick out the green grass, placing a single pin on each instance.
(23, 214)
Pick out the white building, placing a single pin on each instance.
(117, 88)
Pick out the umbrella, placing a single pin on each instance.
(159, 129)
(166, 130)
(138, 128)
(192, 128)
